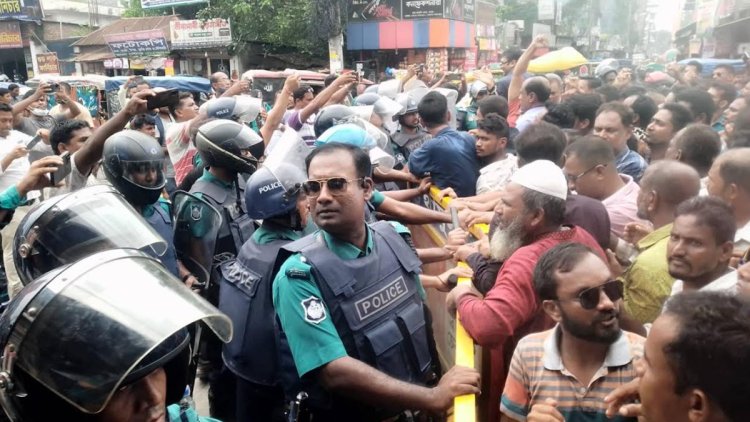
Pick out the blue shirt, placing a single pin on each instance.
(450, 158)
(631, 163)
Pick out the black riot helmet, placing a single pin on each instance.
(75, 337)
(67, 228)
(229, 145)
(134, 165)
(332, 115)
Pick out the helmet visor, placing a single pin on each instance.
(82, 223)
(145, 174)
(96, 321)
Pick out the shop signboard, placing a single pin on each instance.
(148, 4)
(420, 9)
(47, 63)
(10, 35)
(374, 10)
(23, 10)
(139, 43)
(197, 33)
(462, 10)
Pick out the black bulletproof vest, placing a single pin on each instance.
(378, 312)
(162, 223)
(245, 296)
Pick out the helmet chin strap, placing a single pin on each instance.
(238, 202)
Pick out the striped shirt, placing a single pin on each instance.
(537, 373)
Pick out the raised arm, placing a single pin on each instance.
(522, 65)
(321, 99)
(279, 107)
(22, 105)
(91, 151)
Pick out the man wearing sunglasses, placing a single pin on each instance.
(357, 337)
(591, 171)
(564, 373)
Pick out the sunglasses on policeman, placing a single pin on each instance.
(590, 298)
(336, 186)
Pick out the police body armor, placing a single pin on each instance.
(236, 227)
(408, 143)
(246, 297)
(378, 313)
(161, 221)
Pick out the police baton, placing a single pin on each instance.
(294, 407)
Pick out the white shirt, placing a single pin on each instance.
(496, 175)
(84, 115)
(529, 117)
(76, 180)
(18, 167)
(742, 237)
(726, 284)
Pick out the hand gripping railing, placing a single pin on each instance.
(464, 407)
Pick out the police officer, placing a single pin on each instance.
(410, 134)
(133, 164)
(332, 115)
(349, 301)
(66, 228)
(467, 117)
(271, 195)
(102, 339)
(229, 150)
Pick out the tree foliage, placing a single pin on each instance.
(275, 23)
(513, 10)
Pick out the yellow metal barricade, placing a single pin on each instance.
(454, 343)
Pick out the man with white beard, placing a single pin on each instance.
(530, 221)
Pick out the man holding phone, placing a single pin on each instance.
(35, 102)
(14, 165)
(66, 105)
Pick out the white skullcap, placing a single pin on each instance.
(542, 176)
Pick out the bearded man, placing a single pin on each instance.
(530, 219)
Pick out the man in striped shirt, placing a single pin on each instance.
(564, 374)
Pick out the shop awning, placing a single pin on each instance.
(97, 55)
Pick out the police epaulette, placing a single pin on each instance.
(296, 273)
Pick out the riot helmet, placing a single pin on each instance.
(332, 115)
(134, 164)
(354, 134)
(66, 228)
(272, 192)
(240, 108)
(408, 104)
(75, 337)
(229, 145)
(367, 99)
(478, 90)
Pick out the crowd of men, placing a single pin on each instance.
(264, 250)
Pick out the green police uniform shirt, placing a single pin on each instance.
(268, 232)
(376, 200)
(305, 318)
(149, 210)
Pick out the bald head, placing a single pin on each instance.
(734, 167)
(673, 181)
(538, 87)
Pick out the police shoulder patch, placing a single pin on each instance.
(195, 212)
(315, 312)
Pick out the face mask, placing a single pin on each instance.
(39, 112)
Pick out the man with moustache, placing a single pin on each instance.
(531, 214)
(700, 246)
(696, 364)
(647, 282)
(561, 374)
